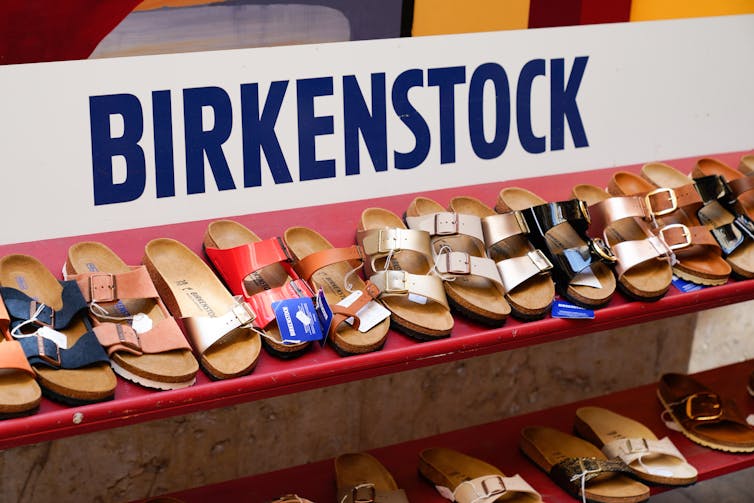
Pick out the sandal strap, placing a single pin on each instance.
(741, 185)
(569, 472)
(516, 270)
(86, 351)
(402, 283)
(502, 226)
(204, 331)
(12, 357)
(367, 493)
(462, 264)
(261, 302)
(342, 313)
(21, 307)
(106, 287)
(604, 213)
(379, 243)
(629, 450)
(447, 223)
(237, 263)
(704, 408)
(488, 488)
(165, 336)
(307, 266)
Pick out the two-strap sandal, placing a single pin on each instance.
(471, 279)
(334, 270)
(361, 478)
(580, 468)
(49, 319)
(260, 271)
(144, 343)
(524, 270)
(704, 416)
(218, 325)
(643, 259)
(399, 262)
(464, 479)
(19, 392)
(581, 270)
(698, 256)
(738, 195)
(650, 459)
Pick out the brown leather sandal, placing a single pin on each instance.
(746, 164)
(360, 477)
(741, 186)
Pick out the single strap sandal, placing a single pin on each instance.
(471, 279)
(580, 468)
(334, 270)
(739, 188)
(465, 479)
(746, 164)
(643, 259)
(261, 272)
(19, 392)
(361, 478)
(144, 343)
(704, 416)
(698, 257)
(559, 229)
(525, 270)
(620, 437)
(49, 319)
(399, 262)
(218, 325)
(700, 196)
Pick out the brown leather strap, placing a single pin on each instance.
(342, 313)
(741, 185)
(165, 336)
(307, 266)
(106, 287)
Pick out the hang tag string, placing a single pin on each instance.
(16, 332)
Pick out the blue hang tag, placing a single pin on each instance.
(561, 309)
(297, 320)
(324, 313)
(685, 286)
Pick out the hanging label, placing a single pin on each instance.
(685, 286)
(297, 320)
(60, 339)
(562, 309)
(141, 323)
(369, 315)
(324, 313)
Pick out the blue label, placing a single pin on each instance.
(324, 313)
(685, 286)
(297, 320)
(561, 309)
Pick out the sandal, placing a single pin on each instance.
(700, 197)
(218, 325)
(703, 416)
(471, 279)
(48, 318)
(144, 343)
(740, 188)
(19, 392)
(697, 253)
(580, 468)
(333, 270)
(746, 165)
(262, 273)
(360, 477)
(650, 459)
(525, 271)
(465, 479)
(643, 259)
(558, 229)
(400, 265)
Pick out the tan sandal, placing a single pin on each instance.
(360, 477)
(218, 325)
(399, 262)
(472, 282)
(746, 164)
(144, 343)
(650, 459)
(465, 479)
(19, 392)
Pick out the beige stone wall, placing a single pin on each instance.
(211, 446)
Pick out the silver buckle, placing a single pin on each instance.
(395, 282)
(684, 230)
(446, 224)
(540, 260)
(388, 240)
(243, 313)
(634, 445)
(671, 197)
(102, 287)
(493, 485)
(458, 263)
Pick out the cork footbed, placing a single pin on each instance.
(601, 426)
(449, 468)
(176, 367)
(746, 165)
(302, 242)
(357, 468)
(93, 383)
(429, 320)
(533, 297)
(698, 264)
(475, 297)
(547, 447)
(190, 289)
(224, 234)
(561, 237)
(19, 392)
(712, 215)
(706, 167)
(648, 280)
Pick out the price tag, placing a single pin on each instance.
(685, 286)
(561, 309)
(297, 320)
(369, 315)
(324, 313)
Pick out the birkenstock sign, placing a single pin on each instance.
(142, 141)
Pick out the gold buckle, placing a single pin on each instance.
(602, 250)
(388, 238)
(540, 260)
(358, 497)
(493, 489)
(458, 258)
(102, 287)
(243, 313)
(684, 230)
(395, 282)
(662, 190)
(446, 224)
(634, 445)
(701, 396)
(584, 209)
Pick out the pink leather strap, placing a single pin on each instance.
(106, 287)
(165, 336)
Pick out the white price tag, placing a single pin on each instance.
(369, 315)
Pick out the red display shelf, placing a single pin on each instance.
(497, 443)
(322, 367)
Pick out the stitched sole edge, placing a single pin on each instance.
(150, 383)
(697, 280)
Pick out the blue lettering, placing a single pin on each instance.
(164, 165)
(446, 79)
(373, 127)
(310, 126)
(563, 103)
(531, 143)
(496, 74)
(411, 118)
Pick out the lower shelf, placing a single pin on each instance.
(497, 443)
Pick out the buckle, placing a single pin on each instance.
(685, 232)
(602, 250)
(33, 306)
(493, 485)
(446, 224)
(55, 362)
(540, 260)
(671, 198)
(124, 340)
(102, 287)
(458, 263)
(243, 313)
(522, 222)
(388, 240)
(584, 210)
(708, 402)
(358, 493)
(634, 445)
(395, 282)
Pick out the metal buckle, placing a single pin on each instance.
(496, 487)
(633, 445)
(584, 209)
(388, 240)
(33, 306)
(125, 342)
(708, 399)
(243, 313)
(43, 355)
(671, 197)
(602, 250)
(522, 222)
(102, 287)
(540, 260)
(458, 263)
(446, 224)
(358, 497)
(395, 282)
(684, 230)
